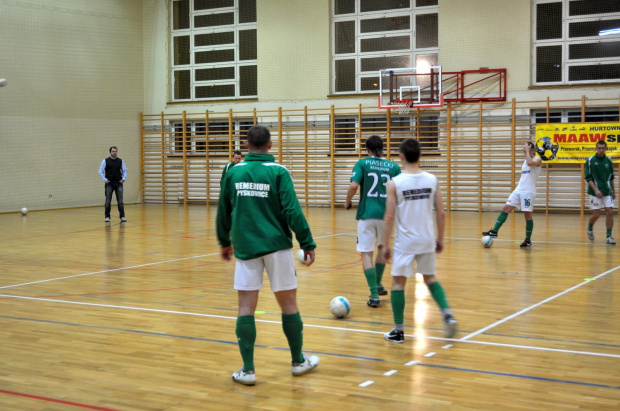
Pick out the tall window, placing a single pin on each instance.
(213, 49)
(576, 41)
(370, 35)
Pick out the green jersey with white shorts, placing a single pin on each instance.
(601, 172)
(258, 208)
(373, 174)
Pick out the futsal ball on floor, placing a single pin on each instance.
(301, 257)
(340, 307)
(487, 241)
(24, 211)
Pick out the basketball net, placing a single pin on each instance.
(403, 109)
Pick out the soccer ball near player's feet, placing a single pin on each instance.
(487, 241)
(340, 307)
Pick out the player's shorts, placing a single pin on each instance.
(522, 200)
(603, 202)
(402, 264)
(369, 235)
(280, 268)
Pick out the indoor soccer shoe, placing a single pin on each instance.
(373, 302)
(107, 219)
(245, 377)
(490, 233)
(381, 290)
(590, 235)
(450, 324)
(395, 336)
(309, 364)
(123, 220)
(526, 243)
(610, 240)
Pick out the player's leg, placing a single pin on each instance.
(527, 206)
(595, 204)
(366, 242)
(402, 268)
(609, 219)
(512, 202)
(426, 266)
(108, 200)
(379, 261)
(248, 281)
(119, 200)
(280, 268)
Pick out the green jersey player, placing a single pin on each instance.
(599, 172)
(371, 174)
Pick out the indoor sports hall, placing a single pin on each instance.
(141, 314)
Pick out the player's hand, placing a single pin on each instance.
(386, 253)
(309, 257)
(438, 246)
(226, 253)
(599, 194)
(348, 205)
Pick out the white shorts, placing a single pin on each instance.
(522, 200)
(369, 235)
(280, 268)
(603, 202)
(402, 264)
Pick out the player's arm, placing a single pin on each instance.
(531, 161)
(102, 171)
(590, 180)
(350, 193)
(224, 223)
(123, 171)
(441, 218)
(388, 219)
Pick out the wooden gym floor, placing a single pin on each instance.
(141, 316)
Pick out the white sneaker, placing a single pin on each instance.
(590, 235)
(610, 240)
(309, 363)
(123, 220)
(450, 325)
(245, 377)
(107, 219)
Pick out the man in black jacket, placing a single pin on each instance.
(113, 172)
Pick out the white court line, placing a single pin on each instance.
(531, 307)
(125, 268)
(155, 310)
(108, 271)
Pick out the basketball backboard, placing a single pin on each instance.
(410, 87)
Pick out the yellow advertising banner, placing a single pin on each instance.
(575, 142)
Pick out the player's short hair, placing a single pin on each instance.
(410, 148)
(258, 136)
(112, 148)
(374, 143)
(531, 145)
(237, 153)
(601, 143)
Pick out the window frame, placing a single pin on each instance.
(238, 65)
(565, 42)
(364, 78)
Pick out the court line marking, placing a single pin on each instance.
(531, 307)
(63, 402)
(357, 330)
(411, 363)
(126, 268)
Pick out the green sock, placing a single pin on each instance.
(438, 295)
(246, 335)
(609, 232)
(380, 268)
(501, 219)
(398, 306)
(293, 329)
(371, 279)
(590, 227)
(529, 227)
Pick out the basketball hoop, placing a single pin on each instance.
(403, 109)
